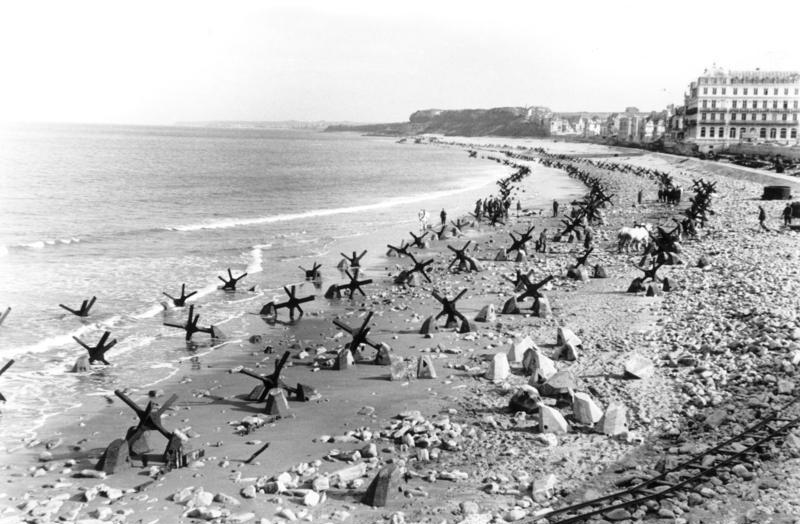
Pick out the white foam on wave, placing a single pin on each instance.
(238, 222)
(64, 339)
(38, 244)
(150, 312)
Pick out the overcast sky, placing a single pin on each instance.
(160, 62)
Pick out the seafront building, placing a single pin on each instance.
(725, 108)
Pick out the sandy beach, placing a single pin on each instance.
(724, 344)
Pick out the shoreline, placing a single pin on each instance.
(611, 323)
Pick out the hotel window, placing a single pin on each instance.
(775, 91)
(713, 116)
(705, 103)
(713, 90)
(744, 90)
(733, 132)
(711, 132)
(784, 116)
(773, 133)
(763, 116)
(795, 104)
(774, 104)
(702, 132)
(786, 104)
(702, 116)
(705, 90)
(774, 116)
(734, 104)
(794, 117)
(733, 116)
(763, 132)
(741, 132)
(735, 90)
(764, 104)
(721, 132)
(797, 91)
(794, 132)
(723, 90)
(783, 132)
(766, 91)
(785, 90)
(755, 104)
(713, 104)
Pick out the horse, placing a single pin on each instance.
(637, 237)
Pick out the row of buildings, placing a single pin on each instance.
(721, 109)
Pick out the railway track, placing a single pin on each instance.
(686, 476)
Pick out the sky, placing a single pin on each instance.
(148, 62)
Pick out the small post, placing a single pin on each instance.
(180, 301)
(230, 283)
(258, 452)
(5, 315)
(7, 365)
(83, 311)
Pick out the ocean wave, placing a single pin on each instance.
(240, 222)
(38, 244)
(64, 339)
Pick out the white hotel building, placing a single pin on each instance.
(725, 108)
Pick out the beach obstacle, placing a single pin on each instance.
(174, 456)
(355, 260)
(268, 382)
(230, 283)
(191, 326)
(5, 315)
(399, 251)
(460, 223)
(465, 262)
(650, 273)
(98, 351)
(360, 335)
(3, 370)
(180, 301)
(419, 241)
(313, 273)
(83, 311)
(449, 310)
(518, 244)
(420, 267)
(532, 289)
(271, 309)
(579, 270)
(354, 285)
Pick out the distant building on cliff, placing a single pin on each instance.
(723, 108)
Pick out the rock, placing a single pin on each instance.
(238, 518)
(487, 314)
(636, 285)
(425, 368)
(428, 326)
(277, 405)
(668, 284)
(383, 487)
(510, 307)
(551, 420)
(501, 256)
(600, 272)
(618, 514)
(469, 507)
(515, 515)
(349, 473)
(541, 308)
(321, 483)
(369, 451)
(465, 327)
(785, 387)
(311, 499)
(384, 355)
(703, 262)
(521, 256)
(499, 369)
(561, 383)
(564, 335)
(568, 351)
(226, 500)
(518, 348)
(398, 369)
(115, 458)
(578, 273)
(81, 364)
(654, 290)
(526, 399)
(344, 359)
(614, 421)
(543, 488)
(586, 411)
(287, 514)
(333, 292)
(248, 492)
(538, 366)
(639, 367)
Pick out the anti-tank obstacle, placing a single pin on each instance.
(83, 311)
(451, 313)
(360, 337)
(405, 276)
(3, 370)
(180, 301)
(464, 261)
(293, 303)
(230, 283)
(313, 273)
(335, 291)
(191, 326)
(98, 351)
(4, 315)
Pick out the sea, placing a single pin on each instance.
(126, 213)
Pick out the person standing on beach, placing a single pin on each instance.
(519, 208)
(443, 216)
(640, 197)
(787, 215)
(555, 208)
(762, 216)
(588, 237)
(543, 241)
